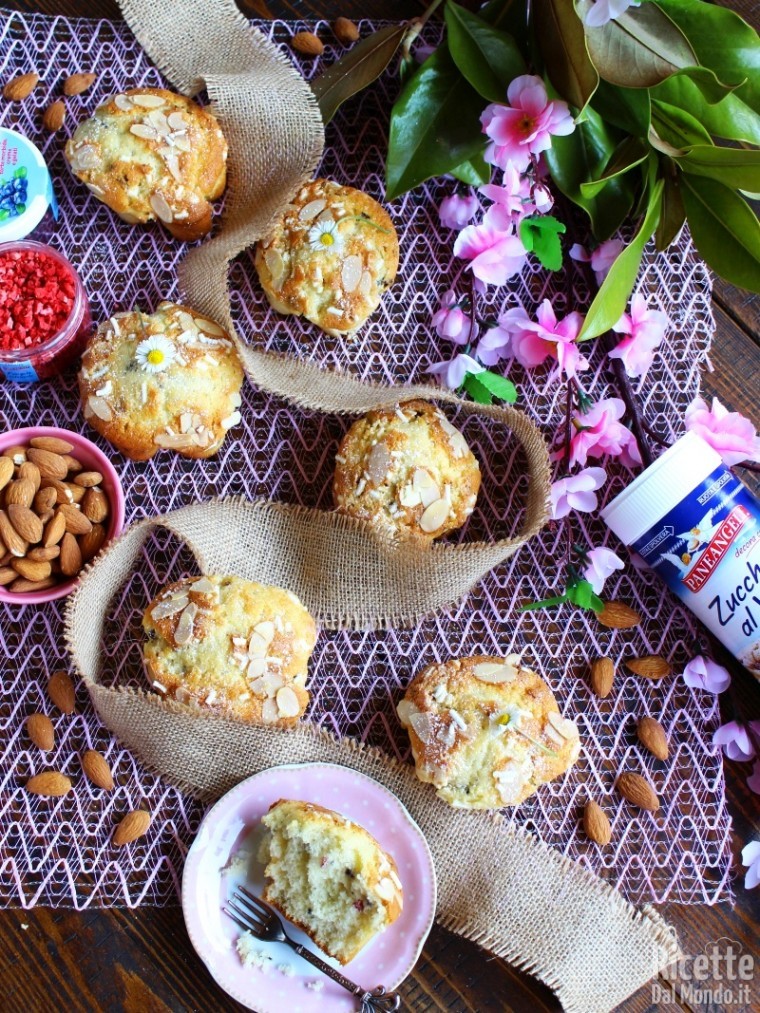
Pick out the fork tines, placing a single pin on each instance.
(245, 916)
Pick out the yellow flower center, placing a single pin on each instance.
(156, 356)
(503, 719)
(326, 239)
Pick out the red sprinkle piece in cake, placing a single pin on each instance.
(36, 298)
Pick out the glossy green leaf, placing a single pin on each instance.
(734, 167)
(582, 594)
(614, 292)
(629, 109)
(486, 56)
(630, 153)
(540, 235)
(562, 42)
(435, 125)
(673, 213)
(497, 385)
(731, 118)
(356, 69)
(639, 48)
(510, 16)
(475, 171)
(678, 127)
(477, 390)
(725, 230)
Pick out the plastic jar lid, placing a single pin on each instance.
(656, 491)
(26, 189)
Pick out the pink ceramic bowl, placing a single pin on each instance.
(93, 459)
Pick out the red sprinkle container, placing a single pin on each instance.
(44, 312)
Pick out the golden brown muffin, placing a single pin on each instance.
(486, 731)
(329, 876)
(232, 646)
(330, 258)
(151, 154)
(170, 379)
(407, 471)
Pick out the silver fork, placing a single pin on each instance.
(258, 918)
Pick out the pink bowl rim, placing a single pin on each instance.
(118, 503)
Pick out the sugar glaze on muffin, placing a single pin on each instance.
(330, 257)
(164, 380)
(407, 471)
(486, 731)
(232, 646)
(151, 154)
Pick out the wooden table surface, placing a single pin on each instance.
(141, 961)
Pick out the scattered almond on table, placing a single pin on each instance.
(602, 677)
(40, 730)
(75, 84)
(54, 116)
(50, 783)
(638, 791)
(20, 87)
(131, 827)
(596, 824)
(96, 769)
(652, 736)
(345, 31)
(651, 666)
(616, 615)
(307, 43)
(60, 689)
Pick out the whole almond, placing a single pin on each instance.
(96, 768)
(650, 666)
(77, 492)
(76, 522)
(6, 471)
(60, 689)
(52, 443)
(652, 736)
(20, 492)
(31, 473)
(71, 556)
(54, 529)
(88, 479)
(50, 465)
(7, 575)
(17, 454)
(23, 586)
(72, 464)
(21, 87)
(95, 505)
(596, 823)
(54, 116)
(40, 730)
(12, 540)
(41, 554)
(91, 543)
(44, 500)
(618, 616)
(307, 43)
(26, 522)
(77, 83)
(602, 676)
(32, 569)
(345, 31)
(50, 783)
(638, 791)
(132, 826)
(63, 493)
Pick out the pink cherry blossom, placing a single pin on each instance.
(451, 321)
(607, 10)
(533, 342)
(601, 259)
(457, 210)
(494, 256)
(645, 330)
(494, 345)
(751, 859)
(543, 200)
(602, 563)
(730, 433)
(754, 780)
(577, 492)
(451, 373)
(511, 199)
(735, 742)
(524, 127)
(704, 673)
(599, 432)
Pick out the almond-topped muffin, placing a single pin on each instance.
(407, 471)
(330, 257)
(231, 645)
(151, 154)
(168, 380)
(486, 731)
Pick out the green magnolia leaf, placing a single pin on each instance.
(475, 171)
(435, 125)
(477, 390)
(734, 167)
(639, 48)
(510, 16)
(497, 385)
(581, 156)
(610, 301)
(629, 109)
(562, 41)
(713, 90)
(356, 69)
(731, 118)
(487, 57)
(723, 42)
(540, 235)
(725, 230)
(677, 127)
(673, 214)
(630, 153)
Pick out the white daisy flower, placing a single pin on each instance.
(155, 354)
(325, 236)
(509, 719)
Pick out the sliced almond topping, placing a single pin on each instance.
(312, 209)
(351, 272)
(408, 496)
(162, 209)
(275, 266)
(287, 702)
(422, 725)
(271, 682)
(257, 646)
(184, 631)
(564, 726)
(426, 486)
(458, 443)
(123, 102)
(379, 463)
(209, 327)
(405, 709)
(231, 421)
(265, 630)
(148, 101)
(203, 586)
(100, 408)
(170, 607)
(385, 889)
(256, 669)
(177, 121)
(187, 323)
(494, 672)
(365, 285)
(269, 711)
(435, 516)
(143, 130)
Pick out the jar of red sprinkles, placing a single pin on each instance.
(44, 312)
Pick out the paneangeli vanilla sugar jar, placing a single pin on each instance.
(698, 526)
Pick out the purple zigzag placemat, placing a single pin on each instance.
(56, 851)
